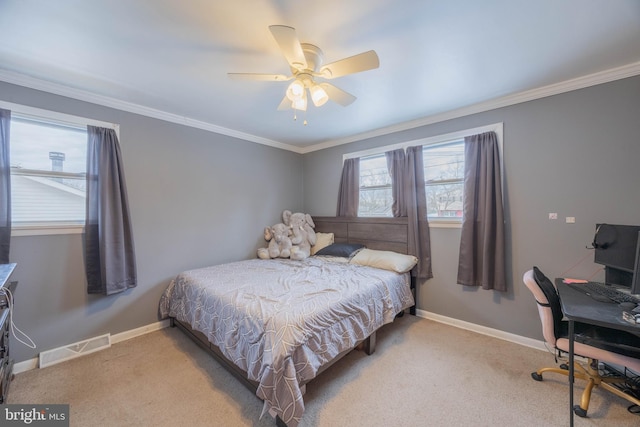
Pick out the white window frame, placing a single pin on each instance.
(63, 120)
(438, 140)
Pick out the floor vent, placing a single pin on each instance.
(71, 351)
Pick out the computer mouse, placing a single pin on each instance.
(627, 305)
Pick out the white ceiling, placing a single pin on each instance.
(170, 58)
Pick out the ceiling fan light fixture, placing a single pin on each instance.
(318, 95)
(306, 62)
(295, 90)
(300, 103)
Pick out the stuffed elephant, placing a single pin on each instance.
(278, 236)
(303, 233)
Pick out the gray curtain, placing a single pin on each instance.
(396, 167)
(109, 253)
(482, 251)
(416, 200)
(5, 186)
(349, 192)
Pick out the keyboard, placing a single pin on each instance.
(610, 292)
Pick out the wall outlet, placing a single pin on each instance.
(570, 220)
(553, 215)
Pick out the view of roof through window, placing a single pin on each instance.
(33, 140)
(48, 164)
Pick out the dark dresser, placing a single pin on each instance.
(6, 363)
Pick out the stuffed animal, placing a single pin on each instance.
(279, 242)
(303, 234)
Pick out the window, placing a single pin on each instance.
(375, 187)
(444, 178)
(48, 154)
(48, 163)
(443, 172)
(443, 158)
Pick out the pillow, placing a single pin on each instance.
(336, 259)
(345, 250)
(387, 260)
(322, 241)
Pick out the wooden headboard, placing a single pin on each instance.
(390, 234)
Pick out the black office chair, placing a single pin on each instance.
(593, 343)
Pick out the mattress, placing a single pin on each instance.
(281, 320)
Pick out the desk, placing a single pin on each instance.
(579, 307)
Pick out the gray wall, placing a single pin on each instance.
(577, 154)
(196, 198)
(194, 202)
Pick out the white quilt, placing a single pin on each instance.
(281, 320)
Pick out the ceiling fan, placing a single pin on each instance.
(306, 63)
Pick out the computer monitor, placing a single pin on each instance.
(617, 247)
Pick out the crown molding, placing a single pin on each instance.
(606, 76)
(106, 101)
(594, 79)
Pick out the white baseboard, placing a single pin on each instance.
(517, 339)
(127, 335)
(27, 365)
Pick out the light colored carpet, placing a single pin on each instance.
(422, 373)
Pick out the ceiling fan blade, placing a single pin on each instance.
(289, 45)
(337, 95)
(354, 64)
(259, 77)
(285, 104)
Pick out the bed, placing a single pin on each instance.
(276, 324)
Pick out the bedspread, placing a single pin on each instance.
(281, 320)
